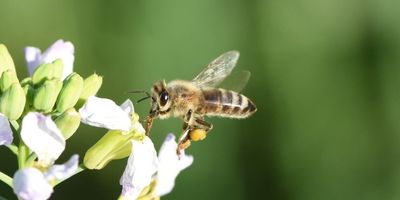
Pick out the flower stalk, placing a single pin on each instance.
(6, 179)
(22, 154)
(13, 149)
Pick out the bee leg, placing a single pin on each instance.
(199, 130)
(149, 123)
(184, 141)
(188, 116)
(188, 136)
(199, 123)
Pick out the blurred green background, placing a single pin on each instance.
(325, 79)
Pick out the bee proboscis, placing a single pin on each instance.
(193, 100)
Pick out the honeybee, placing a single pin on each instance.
(192, 100)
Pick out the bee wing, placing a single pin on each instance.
(236, 81)
(217, 70)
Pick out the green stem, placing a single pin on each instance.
(15, 124)
(13, 148)
(6, 179)
(80, 169)
(22, 154)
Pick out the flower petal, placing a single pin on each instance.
(127, 107)
(101, 112)
(6, 134)
(58, 50)
(32, 57)
(64, 171)
(170, 165)
(137, 126)
(30, 184)
(42, 136)
(142, 164)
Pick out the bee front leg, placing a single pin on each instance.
(149, 121)
(149, 124)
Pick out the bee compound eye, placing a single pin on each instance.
(163, 98)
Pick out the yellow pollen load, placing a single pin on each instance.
(197, 134)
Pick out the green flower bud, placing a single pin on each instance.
(91, 86)
(48, 71)
(68, 122)
(29, 93)
(46, 95)
(6, 62)
(26, 81)
(113, 145)
(70, 92)
(7, 78)
(12, 102)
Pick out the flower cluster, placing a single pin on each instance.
(46, 108)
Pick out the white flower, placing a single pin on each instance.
(141, 166)
(42, 136)
(6, 134)
(127, 107)
(32, 184)
(64, 171)
(104, 113)
(138, 128)
(59, 50)
(170, 165)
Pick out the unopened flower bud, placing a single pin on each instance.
(29, 90)
(70, 92)
(68, 122)
(8, 77)
(26, 81)
(12, 102)
(6, 62)
(48, 71)
(113, 145)
(91, 86)
(46, 95)
(29, 94)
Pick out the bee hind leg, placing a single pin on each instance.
(195, 131)
(184, 140)
(199, 123)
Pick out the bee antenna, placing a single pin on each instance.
(144, 98)
(140, 91)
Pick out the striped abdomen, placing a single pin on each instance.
(226, 103)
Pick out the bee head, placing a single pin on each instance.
(161, 99)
